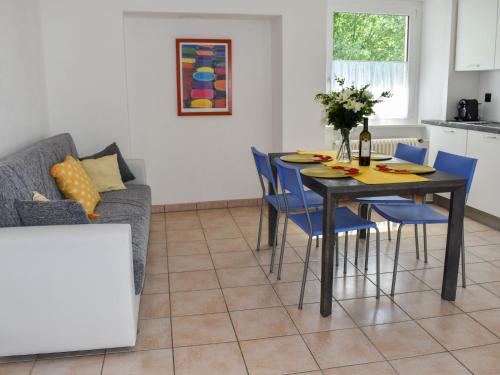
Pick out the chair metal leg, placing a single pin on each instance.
(425, 244)
(417, 249)
(336, 250)
(275, 241)
(396, 258)
(304, 275)
(260, 223)
(367, 252)
(356, 253)
(282, 252)
(389, 230)
(317, 241)
(346, 246)
(378, 261)
(464, 283)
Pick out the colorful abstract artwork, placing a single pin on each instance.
(203, 77)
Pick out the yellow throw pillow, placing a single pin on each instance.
(104, 172)
(75, 184)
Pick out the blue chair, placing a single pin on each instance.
(423, 214)
(265, 172)
(408, 153)
(312, 222)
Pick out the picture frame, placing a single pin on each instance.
(204, 77)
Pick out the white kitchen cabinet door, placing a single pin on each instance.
(449, 140)
(486, 184)
(476, 34)
(497, 54)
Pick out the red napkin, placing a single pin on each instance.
(323, 158)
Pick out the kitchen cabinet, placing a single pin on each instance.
(497, 54)
(445, 139)
(477, 41)
(483, 146)
(449, 140)
(486, 184)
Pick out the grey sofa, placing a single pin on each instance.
(102, 263)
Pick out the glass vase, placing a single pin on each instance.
(344, 153)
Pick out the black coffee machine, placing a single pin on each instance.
(468, 110)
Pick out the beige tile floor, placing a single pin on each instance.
(210, 306)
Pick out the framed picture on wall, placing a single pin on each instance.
(203, 77)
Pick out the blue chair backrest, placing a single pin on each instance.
(409, 153)
(457, 165)
(291, 181)
(264, 166)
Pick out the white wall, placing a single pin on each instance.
(460, 84)
(87, 89)
(188, 158)
(441, 87)
(490, 82)
(439, 37)
(23, 115)
(435, 58)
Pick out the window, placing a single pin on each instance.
(374, 47)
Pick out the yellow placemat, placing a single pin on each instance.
(370, 176)
(332, 153)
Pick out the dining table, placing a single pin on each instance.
(335, 190)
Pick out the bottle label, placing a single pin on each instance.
(365, 149)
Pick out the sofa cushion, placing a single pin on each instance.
(113, 149)
(76, 184)
(131, 206)
(63, 212)
(104, 173)
(29, 170)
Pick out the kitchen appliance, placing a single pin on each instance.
(468, 110)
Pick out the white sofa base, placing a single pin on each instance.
(66, 288)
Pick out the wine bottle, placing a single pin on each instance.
(365, 145)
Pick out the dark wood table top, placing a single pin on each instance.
(343, 188)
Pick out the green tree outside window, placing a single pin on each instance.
(369, 37)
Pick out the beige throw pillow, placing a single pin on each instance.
(104, 172)
(37, 197)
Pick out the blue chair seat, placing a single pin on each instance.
(295, 203)
(410, 214)
(345, 221)
(393, 199)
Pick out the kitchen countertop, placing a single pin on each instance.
(487, 127)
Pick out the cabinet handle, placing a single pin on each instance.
(474, 65)
(449, 131)
(490, 137)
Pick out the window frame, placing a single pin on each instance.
(411, 9)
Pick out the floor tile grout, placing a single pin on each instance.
(243, 235)
(230, 318)
(170, 307)
(286, 310)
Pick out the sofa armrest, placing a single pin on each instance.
(60, 285)
(138, 168)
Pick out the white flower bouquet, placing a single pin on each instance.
(345, 108)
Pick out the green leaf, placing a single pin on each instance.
(369, 37)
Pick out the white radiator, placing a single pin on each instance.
(388, 145)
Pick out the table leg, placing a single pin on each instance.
(272, 214)
(453, 243)
(328, 257)
(364, 215)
